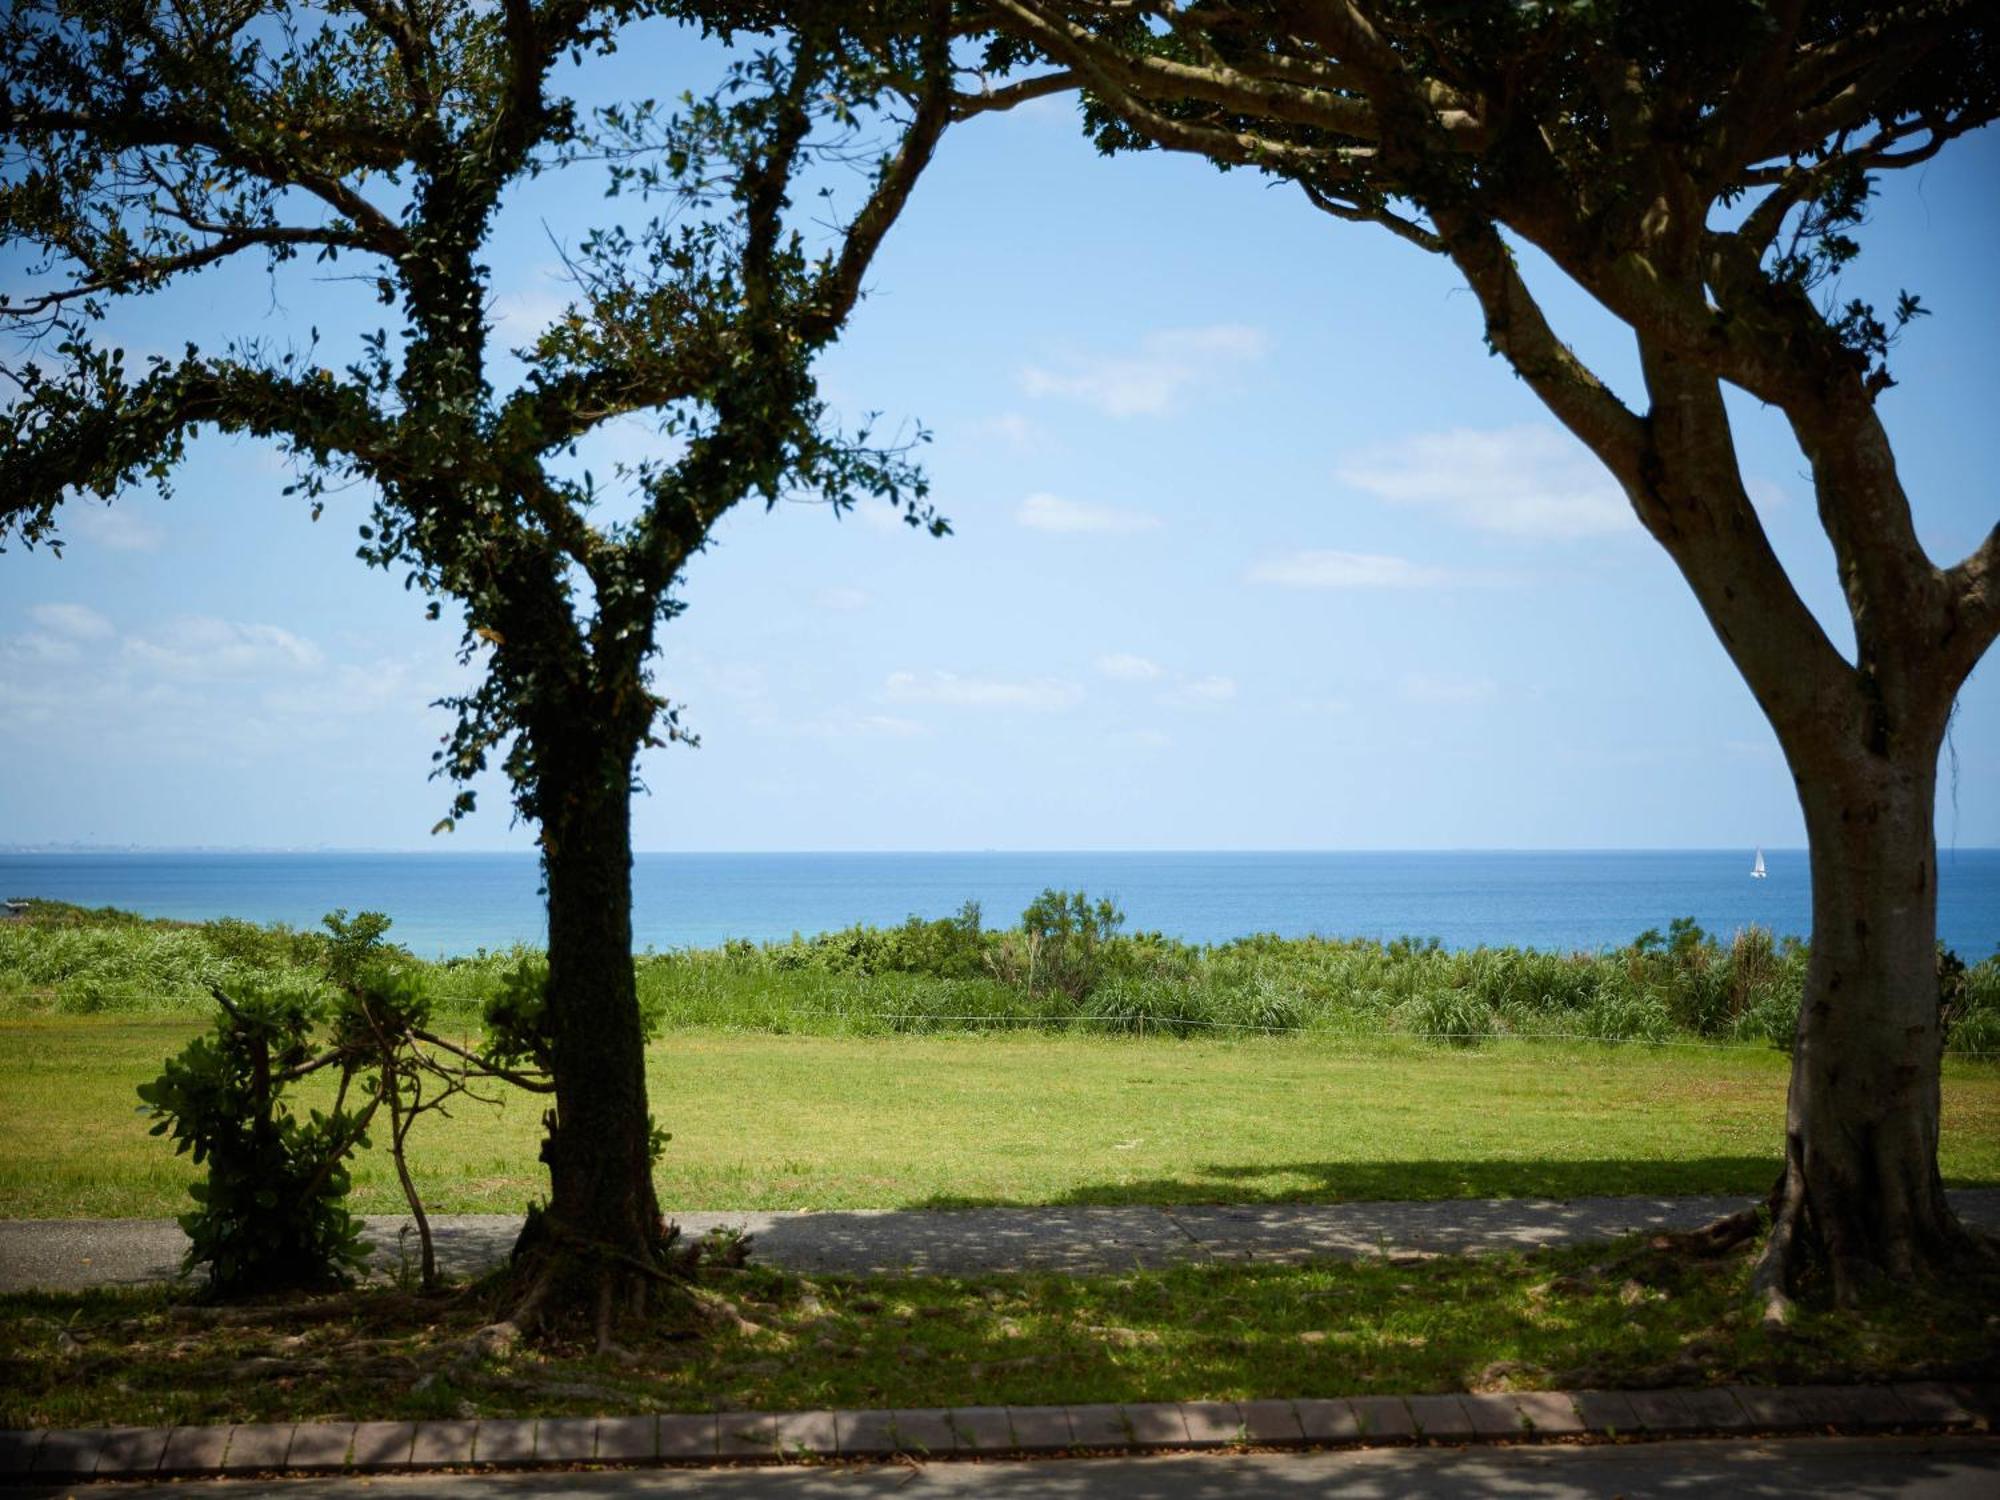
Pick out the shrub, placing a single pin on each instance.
(271, 1213)
(1454, 1018)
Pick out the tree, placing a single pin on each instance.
(151, 140)
(1696, 169)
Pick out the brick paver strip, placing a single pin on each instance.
(69, 1453)
(319, 1447)
(866, 1434)
(1790, 1408)
(18, 1449)
(805, 1432)
(442, 1444)
(982, 1429)
(1441, 1419)
(1271, 1423)
(258, 1448)
(1932, 1403)
(131, 1452)
(1493, 1415)
(383, 1445)
(565, 1440)
(1607, 1412)
(747, 1434)
(1383, 1419)
(629, 1440)
(1817, 1406)
(1158, 1423)
(1668, 1413)
(1325, 1421)
(1445, 1418)
(1212, 1424)
(1040, 1429)
(1099, 1425)
(1547, 1414)
(194, 1450)
(921, 1433)
(687, 1435)
(508, 1443)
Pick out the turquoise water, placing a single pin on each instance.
(454, 903)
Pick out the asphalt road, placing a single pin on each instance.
(1963, 1468)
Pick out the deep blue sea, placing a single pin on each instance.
(455, 903)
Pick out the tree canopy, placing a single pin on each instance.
(1698, 170)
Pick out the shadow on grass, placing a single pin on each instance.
(1116, 1227)
(1401, 1181)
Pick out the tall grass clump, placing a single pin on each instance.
(1068, 964)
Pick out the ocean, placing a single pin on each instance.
(457, 903)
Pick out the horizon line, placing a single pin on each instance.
(81, 848)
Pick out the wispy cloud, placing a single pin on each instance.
(1459, 692)
(952, 690)
(117, 527)
(78, 622)
(1200, 692)
(1053, 513)
(1323, 568)
(1123, 666)
(1168, 366)
(851, 724)
(1534, 481)
(201, 646)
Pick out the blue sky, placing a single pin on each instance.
(1255, 547)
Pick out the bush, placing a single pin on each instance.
(1455, 1018)
(271, 1213)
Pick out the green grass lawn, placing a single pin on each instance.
(1627, 1314)
(762, 1121)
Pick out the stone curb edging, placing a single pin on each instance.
(321, 1448)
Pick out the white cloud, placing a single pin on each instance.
(949, 688)
(1534, 481)
(1200, 692)
(847, 724)
(39, 646)
(201, 646)
(78, 622)
(1422, 687)
(1122, 666)
(114, 526)
(1327, 569)
(1053, 513)
(1169, 365)
(841, 601)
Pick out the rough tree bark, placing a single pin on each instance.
(1861, 1120)
(603, 1219)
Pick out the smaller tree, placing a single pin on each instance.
(272, 1212)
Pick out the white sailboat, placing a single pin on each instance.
(1757, 871)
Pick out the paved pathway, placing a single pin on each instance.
(73, 1253)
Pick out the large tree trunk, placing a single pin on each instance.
(1861, 1185)
(602, 1229)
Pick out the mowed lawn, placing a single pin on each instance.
(762, 1121)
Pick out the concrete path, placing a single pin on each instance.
(74, 1253)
